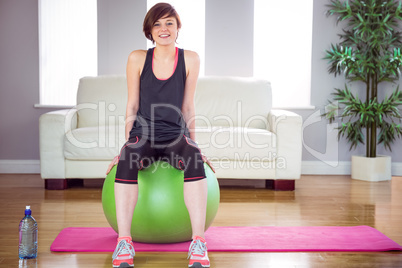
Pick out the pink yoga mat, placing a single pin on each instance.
(256, 239)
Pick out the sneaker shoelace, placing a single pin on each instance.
(197, 248)
(123, 248)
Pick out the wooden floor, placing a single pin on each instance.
(318, 200)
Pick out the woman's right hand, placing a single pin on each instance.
(112, 164)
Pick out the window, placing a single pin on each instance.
(282, 49)
(67, 48)
(192, 32)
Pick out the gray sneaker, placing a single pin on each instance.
(198, 253)
(123, 255)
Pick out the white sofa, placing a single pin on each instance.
(236, 128)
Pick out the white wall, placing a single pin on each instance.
(229, 51)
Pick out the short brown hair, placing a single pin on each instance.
(160, 10)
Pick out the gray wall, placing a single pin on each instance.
(119, 32)
(19, 80)
(229, 37)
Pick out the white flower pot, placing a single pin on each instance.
(371, 168)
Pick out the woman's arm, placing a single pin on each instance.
(192, 61)
(135, 64)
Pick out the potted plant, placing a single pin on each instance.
(369, 52)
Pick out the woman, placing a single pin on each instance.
(160, 113)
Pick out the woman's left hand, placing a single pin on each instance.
(205, 159)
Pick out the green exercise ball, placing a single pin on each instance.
(160, 215)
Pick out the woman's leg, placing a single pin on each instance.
(126, 187)
(186, 155)
(195, 198)
(126, 196)
(126, 199)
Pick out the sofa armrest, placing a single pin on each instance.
(53, 127)
(288, 129)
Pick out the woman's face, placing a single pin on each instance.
(164, 31)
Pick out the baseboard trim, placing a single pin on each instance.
(328, 167)
(338, 168)
(308, 167)
(20, 166)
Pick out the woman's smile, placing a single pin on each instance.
(165, 28)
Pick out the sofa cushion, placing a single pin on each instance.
(93, 143)
(238, 143)
(218, 143)
(232, 101)
(101, 99)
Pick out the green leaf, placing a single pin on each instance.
(369, 51)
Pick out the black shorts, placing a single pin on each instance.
(139, 153)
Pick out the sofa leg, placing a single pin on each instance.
(62, 184)
(280, 185)
(75, 183)
(56, 184)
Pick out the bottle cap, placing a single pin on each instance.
(28, 210)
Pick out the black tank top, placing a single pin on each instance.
(159, 116)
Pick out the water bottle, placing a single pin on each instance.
(28, 243)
